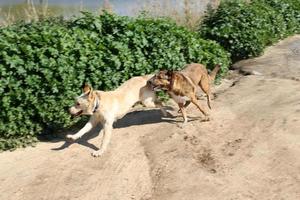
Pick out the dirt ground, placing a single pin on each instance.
(249, 150)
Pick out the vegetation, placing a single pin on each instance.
(245, 28)
(43, 65)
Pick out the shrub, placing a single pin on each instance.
(289, 9)
(43, 65)
(246, 28)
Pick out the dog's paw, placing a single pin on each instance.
(97, 153)
(182, 125)
(164, 113)
(206, 119)
(71, 138)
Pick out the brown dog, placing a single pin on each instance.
(198, 74)
(183, 84)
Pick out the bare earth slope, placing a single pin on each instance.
(249, 150)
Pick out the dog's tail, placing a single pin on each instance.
(213, 73)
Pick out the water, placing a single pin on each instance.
(121, 7)
(67, 8)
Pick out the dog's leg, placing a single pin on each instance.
(205, 86)
(108, 126)
(161, 107)
(194, 101)
(209, 100)
(183, 111)
(91, 123)
(149, 102)
(187, 103)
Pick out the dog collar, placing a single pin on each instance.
(96, 104)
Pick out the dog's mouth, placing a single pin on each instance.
(156, 88)
(77, 114)
(151, 85)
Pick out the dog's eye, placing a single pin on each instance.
(77, 104)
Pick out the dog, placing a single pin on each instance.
(182, 85)
(198, 74)
(106, 107)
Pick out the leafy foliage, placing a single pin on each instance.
(289, 9)
(246, 28)
(44, 64)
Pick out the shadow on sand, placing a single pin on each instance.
(134, 118)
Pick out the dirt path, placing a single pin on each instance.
(250, 150)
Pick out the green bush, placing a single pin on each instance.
(246, 28)
(44, 64)
(289, 9)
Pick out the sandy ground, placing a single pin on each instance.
(249, 150)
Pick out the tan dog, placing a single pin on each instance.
(107, 107)
(183, 84)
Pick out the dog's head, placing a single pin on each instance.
(86, 103)
(161, 80)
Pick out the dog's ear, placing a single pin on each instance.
(87, 89)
